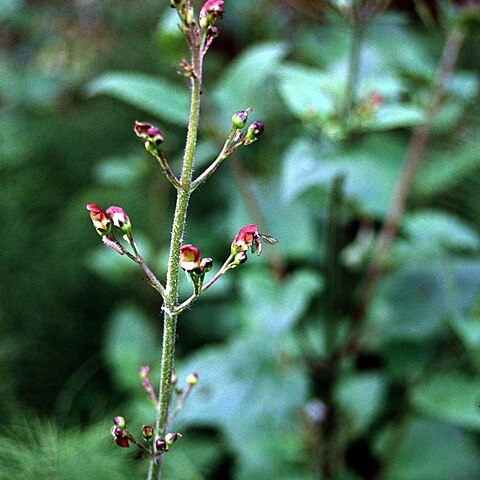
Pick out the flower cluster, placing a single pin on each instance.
(254, 130)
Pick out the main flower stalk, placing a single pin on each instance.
(178, 228)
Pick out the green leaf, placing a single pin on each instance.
(429, 450)
(120, 170)
(369, 179)
(419, 297)
(306, 92)
(150, 94)
(129, 343)
(451, 397)
(446, 166)
(246, 80)
(273, 306)
(433, 233)
(467, 328)
(360, 399)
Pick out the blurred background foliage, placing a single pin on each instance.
(77, 321)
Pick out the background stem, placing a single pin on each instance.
(416, 149)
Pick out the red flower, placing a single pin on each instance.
(101, 221)
(189, 257)
(245, 239)
(211, 10)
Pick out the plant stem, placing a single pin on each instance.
(178, 228)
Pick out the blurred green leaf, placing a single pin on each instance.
(306, 92)
(427, 450)
(432, 233)
(421, 296)
(272, 306)
(467, 328)
(150, 94)
(450, 397)
(360, 398)
(245, 81)
(392, 116)
(369, 179)
(130, 342)
(249, 394)
(120, 170)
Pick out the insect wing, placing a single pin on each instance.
(269, 239)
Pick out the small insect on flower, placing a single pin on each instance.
(261, 236)
(249, 237)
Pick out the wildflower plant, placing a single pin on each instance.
(114, 226)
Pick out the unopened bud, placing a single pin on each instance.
(206, 265)
(174, 377)
(192, 379)
(147, 432)
(254, 130)
(119, 421)
(240, 257)
(120, 219)
(152, 134)
(239, 119)
(172, 437)
(161, 445)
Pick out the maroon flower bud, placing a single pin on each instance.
(147, 432)
(172, 437)
(189, 257)
(254, 130)
(101, 221)
(211, 10)
(119, 421)
(192, 379)
(161, 445)
(120, 219)
(152, 134)
(120, 437)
